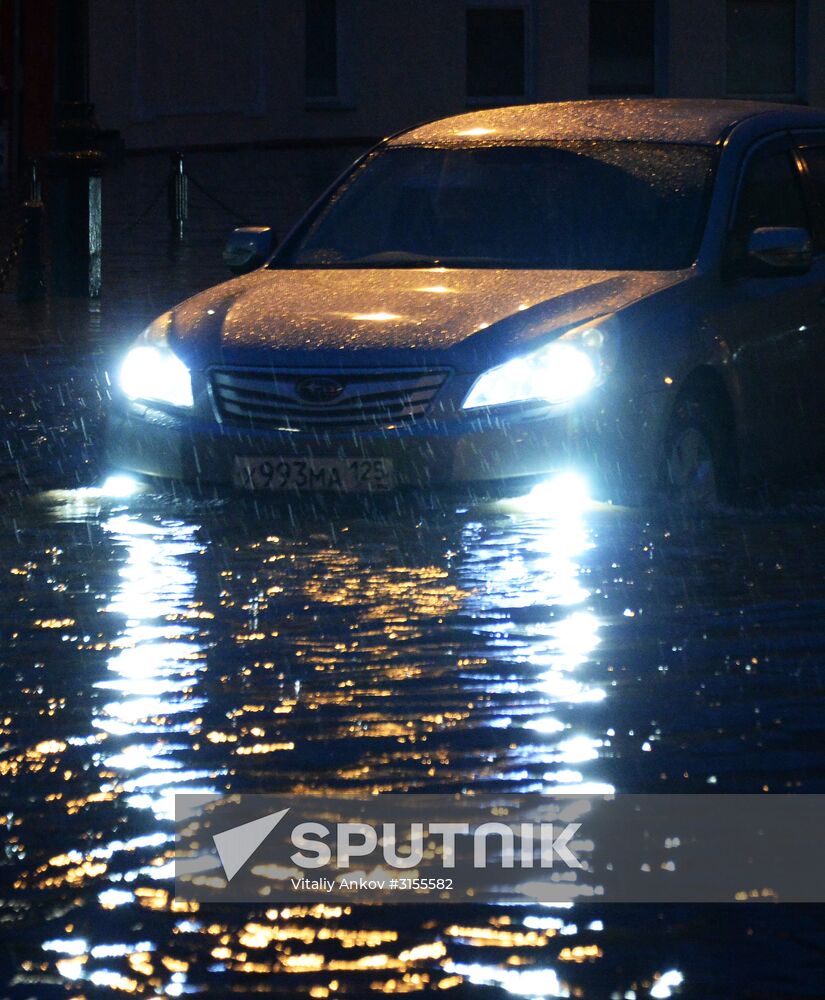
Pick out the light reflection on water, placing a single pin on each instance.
(547, 633)
(152, 678)
(248, 650)
(155, 671)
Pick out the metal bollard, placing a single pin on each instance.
(31, 263)
(35, 188)
(178, 197)
(75, 223)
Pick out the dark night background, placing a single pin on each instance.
(164, 642)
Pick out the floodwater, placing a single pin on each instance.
(158, 643)
(155, 644)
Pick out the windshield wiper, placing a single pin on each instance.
(388, 258)
(403, 258)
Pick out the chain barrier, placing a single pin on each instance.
(156, 197)
(217, 201)
(10, 260)
(178, 210)
(163, 188)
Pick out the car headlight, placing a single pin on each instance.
(557, 373)
(152, 371)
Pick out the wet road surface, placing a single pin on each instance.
(155, 643)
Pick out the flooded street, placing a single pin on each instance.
(156, 644)
(159, 643)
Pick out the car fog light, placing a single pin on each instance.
(564, 493)
(119, 486)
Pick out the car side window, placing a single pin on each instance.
(770, 195)
(814, 160)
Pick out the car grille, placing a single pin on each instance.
(272, 399)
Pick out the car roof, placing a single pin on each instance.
(702, 122)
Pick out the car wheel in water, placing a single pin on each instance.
(699, 465)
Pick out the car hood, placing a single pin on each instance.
(376, 316)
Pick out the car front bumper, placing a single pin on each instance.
(467, 448)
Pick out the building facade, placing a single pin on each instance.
(201, 72)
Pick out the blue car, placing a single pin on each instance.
(630, 290)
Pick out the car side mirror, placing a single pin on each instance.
(779, 250)
(248, 248)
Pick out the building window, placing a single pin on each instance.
(321, 49)
(495, 53)
(761, 48)
(622, 46)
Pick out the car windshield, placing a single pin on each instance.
(572, 205)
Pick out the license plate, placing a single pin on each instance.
(310, 475)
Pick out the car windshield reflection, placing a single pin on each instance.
(575, 205)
